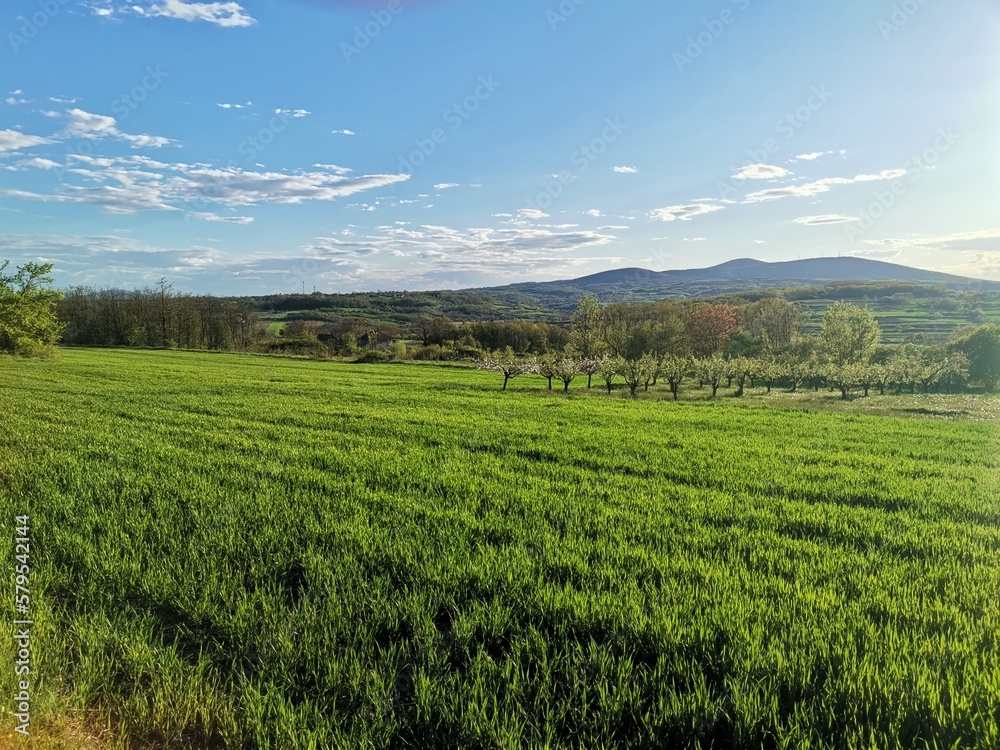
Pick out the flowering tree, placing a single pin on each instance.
(712, 370)
(507, 365)
(675, 369)
(636, 371)
(566, 370)
(546, 367)
(590, 367)
(608, 370)
(741, 370)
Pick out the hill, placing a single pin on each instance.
(740, 275)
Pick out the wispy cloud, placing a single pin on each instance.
(225, 14)
(83, 124)
(13, 140)
(683, 213)
(819, 186)
(125, 185)
(760, 172)
(343, 132)
(625, 170)
(813, 221)
(814, 155)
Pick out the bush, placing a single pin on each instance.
(373, 357)
(429, 353)
(398, 350)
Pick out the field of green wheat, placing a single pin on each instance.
(245, 552)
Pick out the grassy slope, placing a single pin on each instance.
(264, 553)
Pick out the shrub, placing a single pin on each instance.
(374, 357)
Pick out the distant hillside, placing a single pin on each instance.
(741, 275)
(907, 301)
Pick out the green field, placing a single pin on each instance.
(246, 552)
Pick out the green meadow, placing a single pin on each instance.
(248, 552)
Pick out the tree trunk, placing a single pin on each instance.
(505, 379)
(588, 381)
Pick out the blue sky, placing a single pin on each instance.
(267, 146)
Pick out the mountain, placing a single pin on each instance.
(809, 272)
(731, 277)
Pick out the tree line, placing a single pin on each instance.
(640, 344)
(717, 346)
(157, 317)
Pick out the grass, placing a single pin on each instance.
(247, 552)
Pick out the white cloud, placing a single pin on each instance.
(988, 239)
(625, 170)
(594, 212)
(760, 172)
(975, 254)
(234, 106)
(531, 213)
(343, 132)
(85, 124)
(683, 213)
(814, 221)
(225, 14)
(38, 163)
(128, 184)
(293, 112)
(333, 168)
(146, 141)
(484, 249)
(208, 216)
(13, 140)
(813, 156)
(446, 185)
(819, 186)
